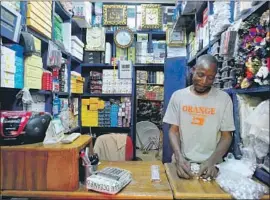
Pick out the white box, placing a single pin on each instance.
(7, 76)
(66, 26)
(7, 83)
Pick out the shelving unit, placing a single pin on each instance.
(9, 93)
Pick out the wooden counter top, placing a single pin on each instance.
(140, 188)
(194, 188)
(82, 141)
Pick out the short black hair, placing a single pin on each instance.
(206, 60)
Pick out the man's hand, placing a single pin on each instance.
(208, 169)
(183, 168)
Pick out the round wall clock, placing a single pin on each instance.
(123, 37)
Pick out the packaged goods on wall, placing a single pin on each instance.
(111, 84)
(33, 72)
(39, 17)
(82, 13)
(113, 113)
(77, 47)
(220, 20)
(76, 82)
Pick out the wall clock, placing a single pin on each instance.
(123, 38)
(95, 39)
(114, 14)
(151, 16)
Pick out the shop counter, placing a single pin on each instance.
(39, 167)
(141, 187)
(194, 188)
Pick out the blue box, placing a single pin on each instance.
(18, 80)
(19, 59)
(17, 48)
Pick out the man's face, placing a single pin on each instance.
(203, 78)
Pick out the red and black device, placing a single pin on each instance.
(23, 127)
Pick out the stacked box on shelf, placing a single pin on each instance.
(63, 77)
(39, 17)
(66, 28)
(89, 112)
(77, 47)
(7, 67)
(121, 54)
(142, 52)
(47, 80)
(104, 115)
(76, 83)
(124, 113)
(93, 57)
(82, 13)
(95, 82)
(19, 65)
(114, 115)
(112, 85)
(141, 77)
(159, 48)
(132, 52)
(57, 28)
(33, 67)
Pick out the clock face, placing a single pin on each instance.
(151, 16)
(95, 39)
(123, 38)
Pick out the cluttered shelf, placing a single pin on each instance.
(244, 17)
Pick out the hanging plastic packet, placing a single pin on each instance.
(55, 132)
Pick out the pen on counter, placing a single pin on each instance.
(85, 158)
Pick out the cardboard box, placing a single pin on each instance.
(39, 28)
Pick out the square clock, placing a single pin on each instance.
(151, 16)
(115, 15)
